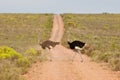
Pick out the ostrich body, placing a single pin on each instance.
(48, 44)
(76, 46)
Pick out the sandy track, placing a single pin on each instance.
(62, 68)
(58, 29)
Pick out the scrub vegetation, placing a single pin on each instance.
(18, 33)
(100, 31)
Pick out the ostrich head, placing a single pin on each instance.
(69, 42)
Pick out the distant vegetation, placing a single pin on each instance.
(100, 31)
(20, 31)
(18, 34)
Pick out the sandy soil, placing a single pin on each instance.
(63, 68)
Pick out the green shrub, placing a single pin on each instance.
(113, 58)
(114, 61)
(100, 56)
(71, 24)
(104, 57)
(8, 53)
(31, 52)
(8, 71)
(23, 63)
(35, 55)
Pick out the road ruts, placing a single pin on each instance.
(58, 29)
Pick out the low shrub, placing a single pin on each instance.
(104, 57)
(71, 24)
(112, 58)
(114, 61)
(8, 53)
(31, 52)
(8, 71)
(99, 56)
(23, 63)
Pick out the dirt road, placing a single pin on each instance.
(58, 29)
(62, 68)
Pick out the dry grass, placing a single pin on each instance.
(100, 31)
(19, 32)
(22, 30)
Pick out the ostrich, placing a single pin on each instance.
(48, 44)
(77, 46)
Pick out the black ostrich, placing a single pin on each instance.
(49, 44)
(77, 46)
